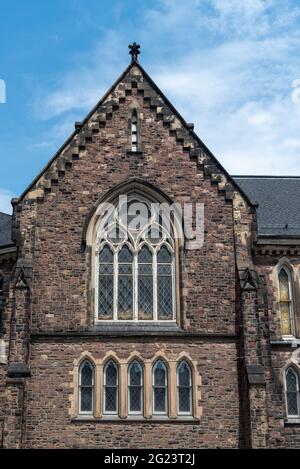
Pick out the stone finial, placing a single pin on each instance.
(134, 51)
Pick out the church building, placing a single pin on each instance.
(149, 299)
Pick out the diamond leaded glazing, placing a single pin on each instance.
(135, 265)
(292, 392)
(135, 388)
(184, 388)
(111, 388)
(159, 388)
(86, 380)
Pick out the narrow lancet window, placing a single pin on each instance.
(135, 388)
(292, 393)
(86, 388)
(184, 388)
(160, 388)
(111, 386)
(134, 131)
(286, 304)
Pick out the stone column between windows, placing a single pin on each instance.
(172, 390)
(123, 395)
(98, 391)
(148, 390)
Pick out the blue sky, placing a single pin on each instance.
(231, 67)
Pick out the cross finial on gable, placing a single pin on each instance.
(134, 50)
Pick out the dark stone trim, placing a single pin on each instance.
(135, 420)
(141, 333)
(18, 370)
(256, 374)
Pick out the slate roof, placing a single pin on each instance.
(5, 229)
(278, 212)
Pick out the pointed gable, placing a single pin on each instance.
(134, 76)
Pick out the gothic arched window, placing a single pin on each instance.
(160, 388)
(86, 388)
(135, 263)
(135, 388)
(292, 393)
(286, 302)
(184, 388)
(111, 388)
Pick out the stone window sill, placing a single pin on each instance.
(126, 327)
(290, 421)
(136, 418)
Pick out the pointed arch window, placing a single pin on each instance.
(184, 388)
(286, 302)
(292, 393)
(134, 131)
(160, 388)
(135, 388)
(111, 388)
(86, 388)
(135, 265)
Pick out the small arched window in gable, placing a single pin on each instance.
(286, 302)
(292, 393)
(134, 131)
(86, 388)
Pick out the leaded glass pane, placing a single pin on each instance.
(145, 284)
(159, 375)
(105, 296)
(184, 396)
(159, 399)
(284, 285)
(125, 284)
(111, 387)
(292, 394)
(164, 284)
(184, 375)
(106, 255)
(86, 401)
(135, 375)
(160, 387)
(105, 287)
(145, 255)
(111, 399)
(86, 375)
(164, 255)
(164, 297)
(86, 387)
(111, 374)
(135, 387)
(285, 318)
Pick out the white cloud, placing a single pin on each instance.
(227, 66)
(5, 198)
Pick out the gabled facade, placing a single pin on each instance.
(131, 340)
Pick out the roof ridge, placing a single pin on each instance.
(266, 176)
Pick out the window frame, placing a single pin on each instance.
(81, 366)
(105, 412)
(132, 412)
(166, 387)
(292, 318)
(191, 388)
(290, 416)
(154, 248)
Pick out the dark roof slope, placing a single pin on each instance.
(5, 229)
(278, 198)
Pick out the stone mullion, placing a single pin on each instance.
(98, 390)
(148, 390)
(172, 391)
(123, 391)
